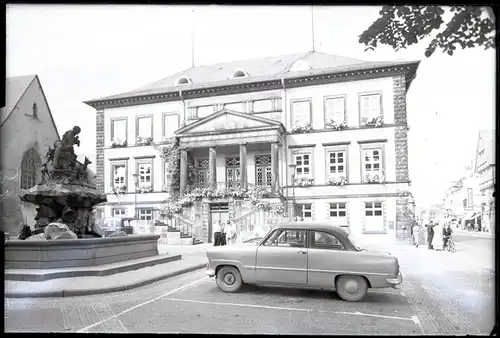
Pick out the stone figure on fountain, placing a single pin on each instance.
(64, 197)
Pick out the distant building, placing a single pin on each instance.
(485, 169)
(27, 129)
(463, 198)
(243, 123)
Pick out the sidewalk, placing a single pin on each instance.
(474, 233)
(80, 286)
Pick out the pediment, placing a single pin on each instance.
(226, 120)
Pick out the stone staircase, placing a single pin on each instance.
(257, 222)
(176, 231)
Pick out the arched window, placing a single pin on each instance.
(30, 166)
(239, 73)
(182, 81)
(300, 65)
(35, 111)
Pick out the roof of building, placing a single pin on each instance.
(256, 70)
(14, 90)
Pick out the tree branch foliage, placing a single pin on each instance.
(403, 26)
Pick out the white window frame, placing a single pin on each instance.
(371, 148)
(336, 207)
(333, 150)
(308, 118)
(265, 168)
(165, 126)
(305, 208)
(145, 212)
(137, 130)
(114, 164)
(122, 212)
(339, 114)
(375, 100)
(139, 164)
(374, 223)
(303, 166)
(113, 134)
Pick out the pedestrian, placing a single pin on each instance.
(217, 233)
(416, 234)
(437, 239)
(222, 233)
(229, 232)
(430, 236)
(446, 235)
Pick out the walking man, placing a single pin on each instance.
(416, 234)
(430, 236)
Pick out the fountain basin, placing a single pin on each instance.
(47, 254)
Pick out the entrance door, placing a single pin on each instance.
(218, 213)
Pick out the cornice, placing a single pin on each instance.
(291, 82)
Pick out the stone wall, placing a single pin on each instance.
(403, 220)
(401, 130)
(99, 144)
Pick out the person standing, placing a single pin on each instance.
(217, 233)
(229, 232)
(222, 233)
(430, 236)
(437, 239)
(416, 234)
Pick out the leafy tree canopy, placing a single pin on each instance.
(403, 26)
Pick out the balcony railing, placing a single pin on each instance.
(226, 185)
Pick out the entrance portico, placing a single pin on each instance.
(229, 129)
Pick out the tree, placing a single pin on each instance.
(403, 26)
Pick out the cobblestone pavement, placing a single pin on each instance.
(443, 293)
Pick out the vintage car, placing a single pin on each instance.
(304, 255)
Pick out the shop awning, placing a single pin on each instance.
(470, 215)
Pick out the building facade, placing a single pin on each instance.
(485, 170)
(27, 129)
(326, 135)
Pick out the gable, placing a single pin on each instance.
(15, 87)
(227, 120)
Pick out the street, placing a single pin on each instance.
(442, 294)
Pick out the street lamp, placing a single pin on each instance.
(292, 167)
(136, 184)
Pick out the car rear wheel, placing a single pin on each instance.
(228, 279)
(351, 288)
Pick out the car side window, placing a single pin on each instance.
(287, 238)
(324, 240)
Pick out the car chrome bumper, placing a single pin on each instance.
(395, 281)
(210, 272)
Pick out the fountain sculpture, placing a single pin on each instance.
(65, 198)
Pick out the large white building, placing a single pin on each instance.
(297, 124)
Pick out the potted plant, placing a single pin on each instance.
(118, 189)
(143, 141)
(337, 180)
(304, 181)
(117, 143)
(376, 121)
(305, 128)
(331, 124)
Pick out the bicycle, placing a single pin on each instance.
(450, 245)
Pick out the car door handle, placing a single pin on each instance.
(302, 252)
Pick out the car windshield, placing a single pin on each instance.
(353, 242)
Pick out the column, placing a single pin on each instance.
(183, 171)
(212, 167)
(274, 167)
(243, 166)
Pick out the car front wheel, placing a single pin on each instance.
(228, 279)
(351, 288)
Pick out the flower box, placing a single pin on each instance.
(374, 178)
(375, 122)
(118, 143)
(144, 189)
(337, 180)
(304, 181)
(119, 189)
(302, 128)
(331, 124)
(143, 141)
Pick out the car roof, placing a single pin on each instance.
(313, 226)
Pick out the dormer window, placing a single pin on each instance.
(300, 65)
(183, 81)
(239, 73)
(35, 111)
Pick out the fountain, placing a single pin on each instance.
(64, 234)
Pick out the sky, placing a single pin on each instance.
(83, 52)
